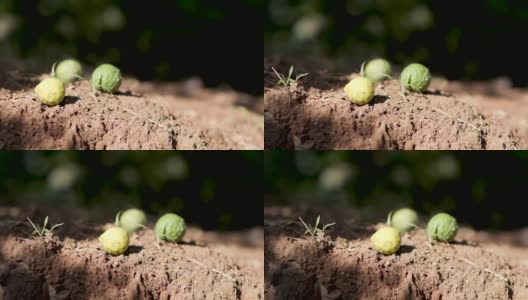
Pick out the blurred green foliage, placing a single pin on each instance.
(451, 37)
(482, 189)
(160, 39)
(216, 190)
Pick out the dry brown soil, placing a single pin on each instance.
(140, 116)
(71, 264)
(314, 113)
(344, 265)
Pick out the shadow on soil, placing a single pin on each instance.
(36, 272)
(302, 267)
(19, 226)
(15, 81)
(70, 100)
(16, 134)
(290, 118)
(308, 269)
(35, 268)
(313, 69)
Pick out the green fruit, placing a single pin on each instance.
(377, 70)
(386, 240)
(68, 70)
(403, 219)
(50, 91)
(132, 220)
(106, 78)
(114, 241)
(360, 90)
(170, 227)
(415, 78)
(442, 227)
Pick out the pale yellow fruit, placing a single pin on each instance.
(386, 240)
(114, 241)
(50, 91)
(360, 90)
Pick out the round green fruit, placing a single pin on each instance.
(378, 70)
(132, 220)
(170, 227)
(50, 91)
(106, 78)
(415, 78)
(114, 241)
(403, 219)
(442, 227)
(68, 70)
(386, 240)
(360, 90)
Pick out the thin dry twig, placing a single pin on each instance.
(145, 118)
(438, 110)
(171, 134)
(212, 269)
(485, 269)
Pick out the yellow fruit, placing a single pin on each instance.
(50, 91)
(360, 90)
(114, 241)
(386, 240)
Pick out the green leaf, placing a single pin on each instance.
(55, 226)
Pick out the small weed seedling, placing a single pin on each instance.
(43, 231)
(287, 81)
(315, 231)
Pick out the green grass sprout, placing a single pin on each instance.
(316, 231)
(43, 231)
(287, 81)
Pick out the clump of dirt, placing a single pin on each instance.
(141, 116)
(71, 264)
(344, 265)
(315, 114)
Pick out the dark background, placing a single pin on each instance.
(466, 40)
(218, 41)
(220, 191)
(484, 190)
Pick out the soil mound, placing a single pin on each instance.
(344, 265)
(141, 116)
(71, 264)
(315, 114)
